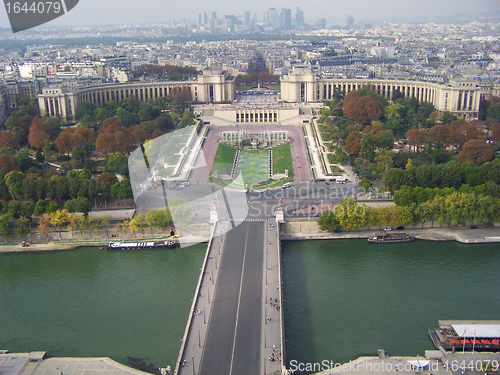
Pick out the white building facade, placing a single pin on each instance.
(461, 98)
(213, 86)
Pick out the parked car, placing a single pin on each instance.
(473, 227)
(337, 231)
(387, 229)
(400, 227)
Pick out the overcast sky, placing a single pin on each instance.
(113, 12)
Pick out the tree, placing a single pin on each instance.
(27, 209)
(447, 118)
(493, 112)
(353, 143)
(495, 132)
(115, 163)
(476, 151)
(351, 214)
(5, 229)
(108, 178)
(40, 207)
(105, 223)
(58, 219)
(14, 208)
(384, 159)
(22, 226)
(14, 182)
(52, 206)
(328, 221)
(386, 140)
(72, 223)
(106, 143)
(132, 224)
(122, 189)
(367, 148)
(8, 163)
(140, 220)
(439, 134)
(9, 139)
(150, 221)
(416, 137)
(44, 225)
(365, 184)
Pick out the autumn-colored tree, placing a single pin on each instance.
(9, 139)
(139, 133)
(416, 137)
(156, 133)
(362, 108)
(89, 135)
(374, 108)
(108, 177)
(495, 132)
(439, 134)
(476, 151)
(471, 131)
(123, 143)
(110, 125)
(58, 219)
(8, 163)
(36, 138)
(42, 124)
(106, 144)
(353, 143)
(63, 141)
(352, 95)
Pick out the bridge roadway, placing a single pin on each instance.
(228, 331)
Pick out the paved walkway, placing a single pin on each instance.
(273, 330)
(309, 229)
(190, 354)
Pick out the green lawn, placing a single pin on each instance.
(224, 159)
(253, 166)
(282, 159)
(336, 169)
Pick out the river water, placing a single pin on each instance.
(348, 298)
(343, 299)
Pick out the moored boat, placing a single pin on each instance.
(141, 245)
(391, 238)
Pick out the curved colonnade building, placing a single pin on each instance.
(302, 85)
(461, 98)
(212, 86)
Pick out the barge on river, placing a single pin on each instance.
(141, 245)
(391, 238)
(467, 335)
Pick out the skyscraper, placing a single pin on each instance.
(350, 21)
(286, 18)
(299, 18)
(322, 23)
(246, 18)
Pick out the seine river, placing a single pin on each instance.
(343, 299)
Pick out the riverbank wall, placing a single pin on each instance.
(291, 231)
(309, 230)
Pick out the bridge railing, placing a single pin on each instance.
(195, 301)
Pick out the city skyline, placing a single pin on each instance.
(93, 13)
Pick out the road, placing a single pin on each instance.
(231, 345)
